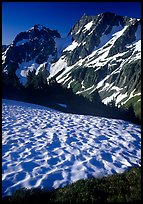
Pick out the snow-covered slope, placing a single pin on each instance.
(105, 55)
(46, 148)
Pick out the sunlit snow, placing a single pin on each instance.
(88, 26)
(46, 148)
(24, 68)
(72, 46)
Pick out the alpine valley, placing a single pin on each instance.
(100, 58)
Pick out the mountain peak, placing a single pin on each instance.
(84, 15)
(37, 27)
(41, 28)
(108, 13)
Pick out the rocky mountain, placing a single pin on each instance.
(32, 51)
(101, 53)
(105, 55)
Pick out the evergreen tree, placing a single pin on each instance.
(30, 79)
(95, 98)
(112, 103)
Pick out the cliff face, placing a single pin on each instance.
(33, 50)
(105, 55)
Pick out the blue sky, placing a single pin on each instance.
(20, 16)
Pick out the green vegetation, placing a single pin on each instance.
(135, 102)
(38, 81)
(125, 187)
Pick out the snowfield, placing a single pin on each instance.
(46, 148)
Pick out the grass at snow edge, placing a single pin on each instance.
(125, 187)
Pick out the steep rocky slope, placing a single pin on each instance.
(32, 50)
(105, 55)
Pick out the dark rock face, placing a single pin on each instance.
(36, 44)
(127, 38)
(100, 24)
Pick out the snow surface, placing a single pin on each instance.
(22, 42)
(46, 148)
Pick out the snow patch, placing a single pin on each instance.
(5, 70)
(137, 46)
(24, 68)
(62, 105)
(132, 95)
(4, 55)
(58, 66)
(69, 84)
(79, 92)
(120, 97)
(22, 42)
(100, 52)
(41, 66)
(88, 26)
(116, 88)
(3, 58)
(110, 98)
(72, 46)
